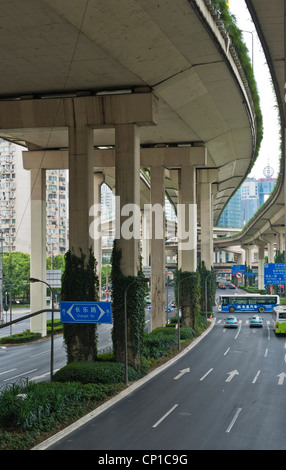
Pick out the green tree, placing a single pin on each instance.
(58, 262)
(80, 282)
(16, 272)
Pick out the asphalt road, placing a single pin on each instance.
(33, 361)
(227, 393)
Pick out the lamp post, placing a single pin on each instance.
(206, 294)
(179, 284)
(32, 280)
(140, 279)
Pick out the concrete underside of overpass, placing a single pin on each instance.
(66, 49)
(130, 77)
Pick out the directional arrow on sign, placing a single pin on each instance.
(231, 375)
(182, 372)
(281, 378)
(69, 312)
(102, 312)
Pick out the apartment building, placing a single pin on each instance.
(15, 204)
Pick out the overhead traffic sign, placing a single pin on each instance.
(238, 268)
(274, 273)
(86, 312)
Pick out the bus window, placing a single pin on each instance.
(239, 300)
(225, 301)
(282, 315)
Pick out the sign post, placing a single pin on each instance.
(86, 312)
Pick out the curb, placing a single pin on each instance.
(85, 419)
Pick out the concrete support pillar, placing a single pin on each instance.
(127, 187)
(146, 239)
(81, 181)
(247, 251)
(158, 316)
(98, 181)
(187, 219)
(260, 246)
(205, 195)
(270, 246)
(38, 290)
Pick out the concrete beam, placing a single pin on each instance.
(170, 157)
(92, 111)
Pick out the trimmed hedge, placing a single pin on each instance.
(95, 372)
(162, 340)
(25, 337)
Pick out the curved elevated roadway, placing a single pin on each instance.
(269, 19)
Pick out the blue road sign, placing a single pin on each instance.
(238, 268)
(274, 273)
(86, 312)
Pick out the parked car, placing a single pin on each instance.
(256, 321)
(231, 322)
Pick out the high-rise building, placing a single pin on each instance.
(247, 200)
(15, 204)
(14, 199)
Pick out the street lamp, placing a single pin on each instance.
(206, 294)
(32, 280)
(139, 279)
(184, 279)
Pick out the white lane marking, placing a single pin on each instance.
(234, 420)
(7, 371)
(266, 352)
(204, 376)
(256, 377)
(165, 416)
(239, 328)
(20, 375)
(226, 351)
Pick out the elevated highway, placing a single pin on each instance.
(159, 87)
(267, 227)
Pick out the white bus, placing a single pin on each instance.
(279, 319)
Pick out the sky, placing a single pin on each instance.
(270, 147)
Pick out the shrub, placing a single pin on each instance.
(58, 326)
(101, 372)
(42, 406)
(159, 343)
